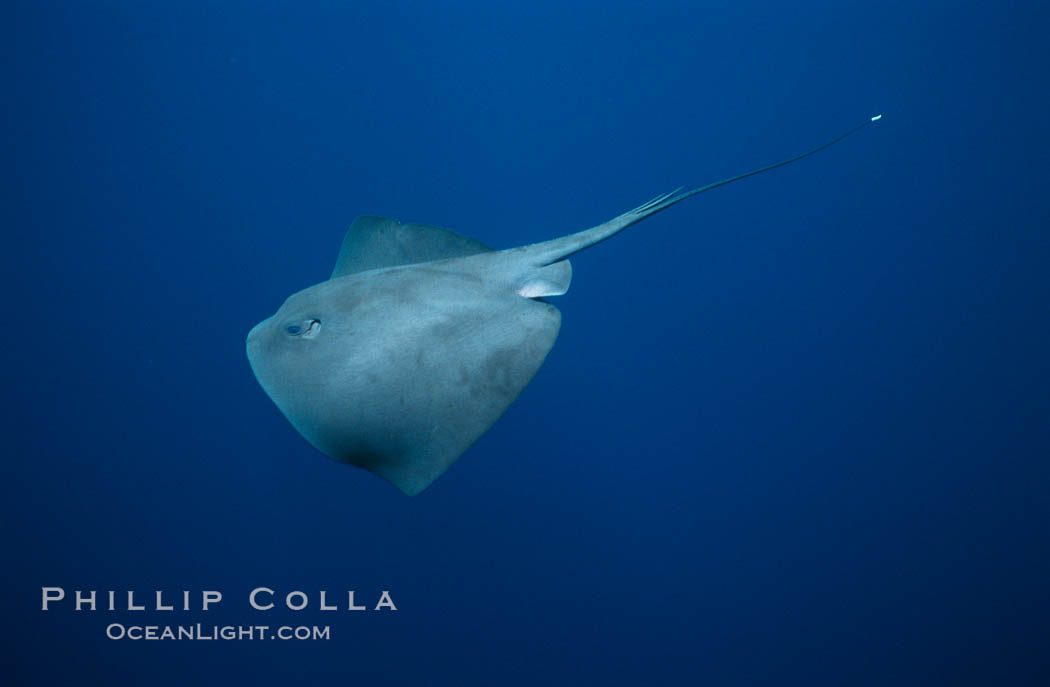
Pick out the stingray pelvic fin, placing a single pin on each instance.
(552, 280)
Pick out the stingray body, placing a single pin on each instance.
(421, 339)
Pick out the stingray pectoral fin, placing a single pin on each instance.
(411, 367)
(452, 393)
(375, 242)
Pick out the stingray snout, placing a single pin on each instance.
(253, 335)
(256, 337)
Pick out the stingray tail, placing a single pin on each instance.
(558, 249)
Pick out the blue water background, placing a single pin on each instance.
(794, 431)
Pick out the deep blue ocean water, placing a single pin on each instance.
(794, 431)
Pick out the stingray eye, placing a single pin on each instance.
(293, 329)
